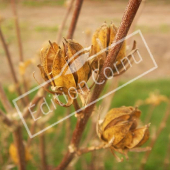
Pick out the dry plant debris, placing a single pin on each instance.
(14, 155)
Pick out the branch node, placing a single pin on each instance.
(79, 115)
(40, 93)
(72, 148)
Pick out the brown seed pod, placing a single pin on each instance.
(120, 127)
(101, 43)
(67, 68)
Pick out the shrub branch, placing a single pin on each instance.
(127, 19)
(74, 20)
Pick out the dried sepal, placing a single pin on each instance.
(140, 136)
(119, 131)
(126, 141)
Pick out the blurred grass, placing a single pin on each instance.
(34, 3)
(162, 28)
(46, 28)
(126, 96)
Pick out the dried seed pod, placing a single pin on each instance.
(101, 43)
(67, 68)
(120, 124)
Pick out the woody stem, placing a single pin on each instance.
(127, 19)
(64, 21)
(11, 65)
(74, 20)
(42, 152)
(18, 34)
(17, 135)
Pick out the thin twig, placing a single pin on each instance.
(33, 126)
(153, 141)
(42, 152)
(75, 104)
(167, 157)
(90, 149)
(64, 21)
(7, 105)
(17, 30)
(8, 57)
(74, 20)
(17, 135)
(149, 114)
(68, 127)
(5, 119)
(34, 101)
(81, 123)
(11, 65)
(93, 148)
(13, 3)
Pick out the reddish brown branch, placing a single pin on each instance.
(167, 157)
(34, 124)
(149, 114)
(68, 127)
(21, 57)
(42, 152)
(17, 31)
(35, 101)
(127, 19)
(74, 20)
(10, 64)
(5, 119)
(64, 21)
(17, 135)
(8, 57)
(7, 105)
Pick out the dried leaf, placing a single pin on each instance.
(14, 155)
(23, 66)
